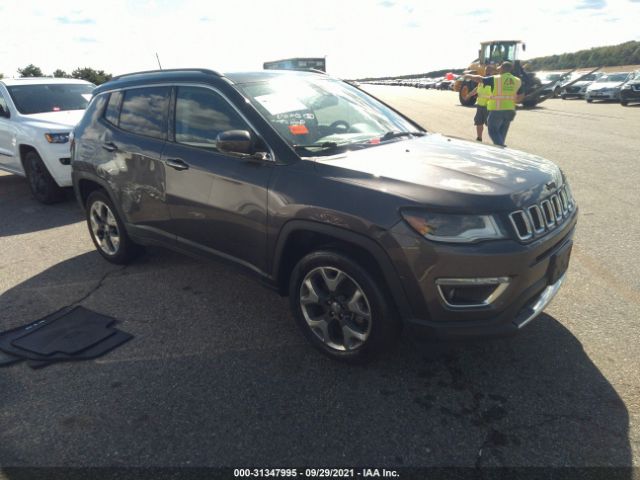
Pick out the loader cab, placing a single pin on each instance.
(496, 52)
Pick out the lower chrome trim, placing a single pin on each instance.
(540, 304)
(501, 284)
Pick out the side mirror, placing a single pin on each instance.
(235, 141)
(4, 113)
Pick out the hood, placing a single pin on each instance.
(582, 83)
(435, 166)
(56, 120)
(603, 85)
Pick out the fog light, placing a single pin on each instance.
(471, 292)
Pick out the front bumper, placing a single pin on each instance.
(599, 95)
(527, 266)
(630, 95)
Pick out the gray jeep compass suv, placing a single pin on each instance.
(366, 221)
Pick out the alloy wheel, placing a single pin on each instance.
(104, 228)
(335, 308)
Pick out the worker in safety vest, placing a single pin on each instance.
(501, 105)
(483, 92)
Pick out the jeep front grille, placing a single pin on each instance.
(538, 219)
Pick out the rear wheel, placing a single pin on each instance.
(341, 308)
(43, 187)
(107, 230)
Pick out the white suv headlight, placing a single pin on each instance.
(57, 137)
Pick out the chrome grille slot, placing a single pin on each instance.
(520, 221)
(557, 207)
(540, 218)
(537, 220)
(564, 200)
(547, 211)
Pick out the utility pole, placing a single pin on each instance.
(158, 58)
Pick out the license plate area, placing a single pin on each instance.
(559, 263)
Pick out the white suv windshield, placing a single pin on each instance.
(30, 99)
(317, 112)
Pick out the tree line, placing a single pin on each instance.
(96, 77)
(627, 53)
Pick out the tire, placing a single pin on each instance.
(337, 295)
(43, 187)
(589, 100)
(107, 230)
(465, 88)
(529, 103)
(556, 92)
(563, 96)
(624, 103)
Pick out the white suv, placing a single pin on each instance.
(36, 117)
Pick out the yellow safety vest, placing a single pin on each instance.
(504, 92)
(484, 93)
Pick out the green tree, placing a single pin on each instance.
(30, 71)
(90, 75)
(61, 74)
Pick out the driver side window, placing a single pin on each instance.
(202, 114)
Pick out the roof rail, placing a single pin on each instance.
(201, 70)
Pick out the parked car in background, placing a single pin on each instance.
(607, 87)
(630, 91)
(36, 118)
(553, 82)
(345, 205)
(579, 89)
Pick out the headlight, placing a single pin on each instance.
(453, 228)
(627, 87)
(57, 137)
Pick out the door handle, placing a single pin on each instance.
(177, 163)
(110, 146)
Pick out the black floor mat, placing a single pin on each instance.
(68, 334)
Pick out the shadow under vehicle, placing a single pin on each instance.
(191, 380)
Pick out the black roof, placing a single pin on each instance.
(194, 74)
(263, 75)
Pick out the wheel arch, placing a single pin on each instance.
(299, 237)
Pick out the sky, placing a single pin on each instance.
(360, 38)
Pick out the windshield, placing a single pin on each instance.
(616, 77)
(324, 115)
(56, 97)
(550, 77)
(590, 77)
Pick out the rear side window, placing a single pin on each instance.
(144, 111)
(3, 103)
(112, 112)
(201, 114)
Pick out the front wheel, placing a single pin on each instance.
(107, 230)
(43, 187)
(341, 308)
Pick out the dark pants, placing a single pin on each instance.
(498, 123)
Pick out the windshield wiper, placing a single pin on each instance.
(321, 146)
(391, 134)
